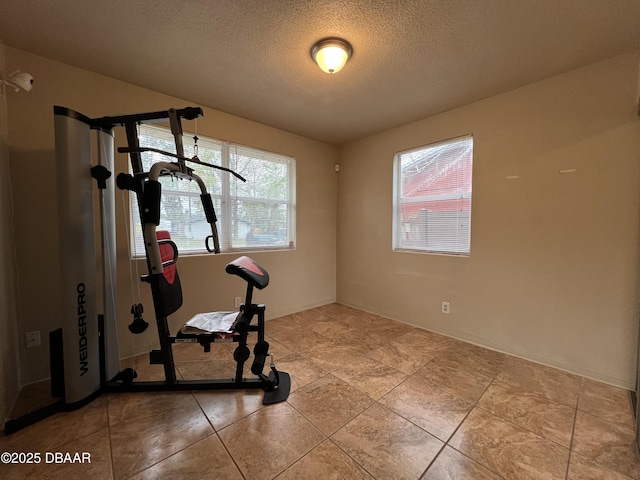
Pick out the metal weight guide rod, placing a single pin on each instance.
(84, 353)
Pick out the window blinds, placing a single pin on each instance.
(432, 198)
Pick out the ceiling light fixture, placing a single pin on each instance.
(331, 54)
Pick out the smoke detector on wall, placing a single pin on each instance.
(19, 81)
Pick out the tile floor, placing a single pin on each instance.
(371, 398)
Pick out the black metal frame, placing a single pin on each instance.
(277, 384)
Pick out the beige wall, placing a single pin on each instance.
(300, 279)
(8, 339)
(553, 269)
(552, 274)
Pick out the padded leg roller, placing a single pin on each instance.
(261, 350)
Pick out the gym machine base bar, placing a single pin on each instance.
(278, 394)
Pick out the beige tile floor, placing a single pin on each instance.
(371, 398)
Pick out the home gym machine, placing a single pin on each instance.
(84, 352)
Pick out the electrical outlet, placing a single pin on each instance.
(238, 302)
(32, 339)
(446, 308)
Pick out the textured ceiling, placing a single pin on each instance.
(412, 58)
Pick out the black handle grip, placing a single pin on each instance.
(174, 247)
(216, 245)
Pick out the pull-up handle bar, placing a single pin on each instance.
(179, 157)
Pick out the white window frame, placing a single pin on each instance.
(224, 195)
(446, 232)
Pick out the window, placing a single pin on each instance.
(258, 214)
(432, 198)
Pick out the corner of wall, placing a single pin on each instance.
(9, 365)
